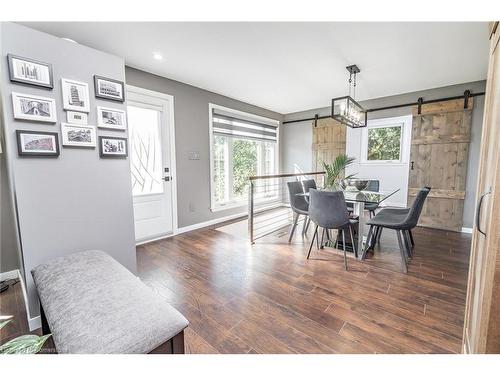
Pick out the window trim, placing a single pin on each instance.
(404, 122)
(215, 207)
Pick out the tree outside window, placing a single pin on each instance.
(384, 143)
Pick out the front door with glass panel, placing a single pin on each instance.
(150, 164)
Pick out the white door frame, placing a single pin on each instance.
(173, 163)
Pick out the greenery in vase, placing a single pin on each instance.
(334, 172)
(26, 344)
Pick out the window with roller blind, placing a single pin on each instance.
(241, 145)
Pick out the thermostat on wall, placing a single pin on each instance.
(194, 155)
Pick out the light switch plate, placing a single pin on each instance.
(194, 155)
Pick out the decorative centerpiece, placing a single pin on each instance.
(334, 171)
(358, 183)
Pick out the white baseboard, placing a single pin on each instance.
(14, 274)
(208, 223)
(34, 323)
(466, 230)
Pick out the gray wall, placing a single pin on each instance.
(292, 155)
(76, 201)
(10, 257)
(191, 134)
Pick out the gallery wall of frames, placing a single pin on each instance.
(65, 147)
(75, 131)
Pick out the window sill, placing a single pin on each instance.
(394, 163)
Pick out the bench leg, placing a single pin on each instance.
(45, 325)
(173, 346)
(178, 343)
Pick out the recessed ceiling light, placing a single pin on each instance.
(70, 40)
(157, 56)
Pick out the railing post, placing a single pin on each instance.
(250, 210)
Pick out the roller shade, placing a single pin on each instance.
(223, 124)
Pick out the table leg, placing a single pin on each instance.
(359, 210)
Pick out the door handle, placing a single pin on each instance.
(167, 178)
(478, 212)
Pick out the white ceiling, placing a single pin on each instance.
(288, 67)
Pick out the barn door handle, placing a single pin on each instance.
(412, 165)
(478, 212)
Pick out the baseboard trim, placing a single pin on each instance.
(14, 274)
(208, 223)
(35, 323)
(466, 230)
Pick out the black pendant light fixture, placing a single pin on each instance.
(345, 109)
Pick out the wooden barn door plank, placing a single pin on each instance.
(439, 153)
(329, 141)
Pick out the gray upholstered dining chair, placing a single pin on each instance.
(401, 222)
(308, 185)
(395, 211)
(328, 210)
(298, 203)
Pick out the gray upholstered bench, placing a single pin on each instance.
(92, 304)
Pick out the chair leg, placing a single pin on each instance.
(343, 245)
(304, 225)
(367, 244)
(312, 241)
(375, 236)
(353, 244)
(411, 238)
(379, 234)
(402, 251)
(322, 239)
(294, 225)
(308, 222)
(407, 243)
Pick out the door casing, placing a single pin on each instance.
(173, 163)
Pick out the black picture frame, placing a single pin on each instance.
(37, 154)
(108, 97)
(120, 156)
(11, 57)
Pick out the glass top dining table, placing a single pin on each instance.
(359, 199)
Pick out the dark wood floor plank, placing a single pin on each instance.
(262, 341)
(194, 343)
(223, 340)
(268, 298)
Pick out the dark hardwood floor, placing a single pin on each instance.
(267, 298)
(12, 307)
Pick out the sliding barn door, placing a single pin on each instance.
(439, 152)
(329, 139)
(482, 309)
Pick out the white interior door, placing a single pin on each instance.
(150, 135)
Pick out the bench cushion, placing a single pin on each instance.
(93, 304)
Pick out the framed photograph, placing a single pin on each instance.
(77, 118)
(111, 118)
(107, 88)
(33, 143)
(113, 147)
(75, 95)
(34, 108)
(32, 72)
(78, 135)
